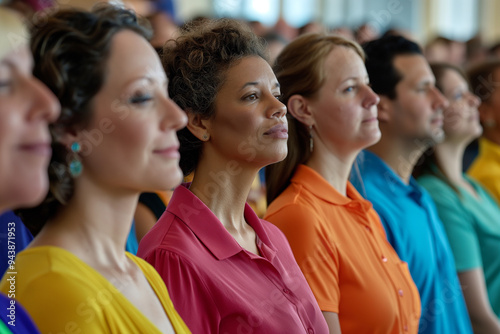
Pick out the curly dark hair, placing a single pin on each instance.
(380, 55)
(196, 64)
(70, 50)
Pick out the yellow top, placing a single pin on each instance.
(486, 168)
(65, 295)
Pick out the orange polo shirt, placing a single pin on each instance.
(341, 247)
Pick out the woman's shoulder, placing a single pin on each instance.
(51, 267)
(293, 198)
(44, 260)
(147, 269)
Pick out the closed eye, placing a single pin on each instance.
(140, 99)
(4, 85)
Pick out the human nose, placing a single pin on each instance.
(474, 100)
(44, 105)
(440, 102)
(277, 109)
(371, 98)
(174, 117)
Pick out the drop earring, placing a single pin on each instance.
(75, 164)
(311, 142)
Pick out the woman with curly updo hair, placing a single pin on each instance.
(227, 270)
(115, 137)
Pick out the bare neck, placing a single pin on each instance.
(449, 156)
(94, 225)
(223, 186)
(334, 167)
(400, 155)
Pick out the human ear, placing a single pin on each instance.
(198, 126)
(299, 108)
(66, 136)
(385, 109)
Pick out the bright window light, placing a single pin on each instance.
(265, 11)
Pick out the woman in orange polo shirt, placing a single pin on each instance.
(337, 238)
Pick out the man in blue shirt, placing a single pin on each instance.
(410, 119)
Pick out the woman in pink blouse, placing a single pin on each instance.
(227, 270)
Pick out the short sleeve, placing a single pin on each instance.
(191, 297)
(314, 251)
(60, 305)
(458, 224)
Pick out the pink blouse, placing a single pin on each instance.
(219, 287)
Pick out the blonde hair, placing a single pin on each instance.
(14, 32)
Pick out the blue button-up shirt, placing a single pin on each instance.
(415, 231)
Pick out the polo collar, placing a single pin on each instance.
(311, 180)
(379, 170)
(208, 228)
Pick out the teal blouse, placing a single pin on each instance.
(473, 228)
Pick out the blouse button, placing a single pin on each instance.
(285, 290)
(405, 327)
(384, 259)
(310, 331)
(400, 291)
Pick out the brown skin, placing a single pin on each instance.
(490, 110)
(246, 107)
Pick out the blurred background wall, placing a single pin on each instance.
(460, 31)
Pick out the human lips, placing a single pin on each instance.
(370, 119)
(278, 131)
(437, 121)
(41, 148)
(169, 152)
(473, 117)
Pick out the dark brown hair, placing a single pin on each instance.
(70, 50)
(300, 70)
(196, 64)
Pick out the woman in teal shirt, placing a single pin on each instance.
(470, 216)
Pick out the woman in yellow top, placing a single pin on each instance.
(115, 137)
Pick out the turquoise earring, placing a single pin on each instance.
(75, 165)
